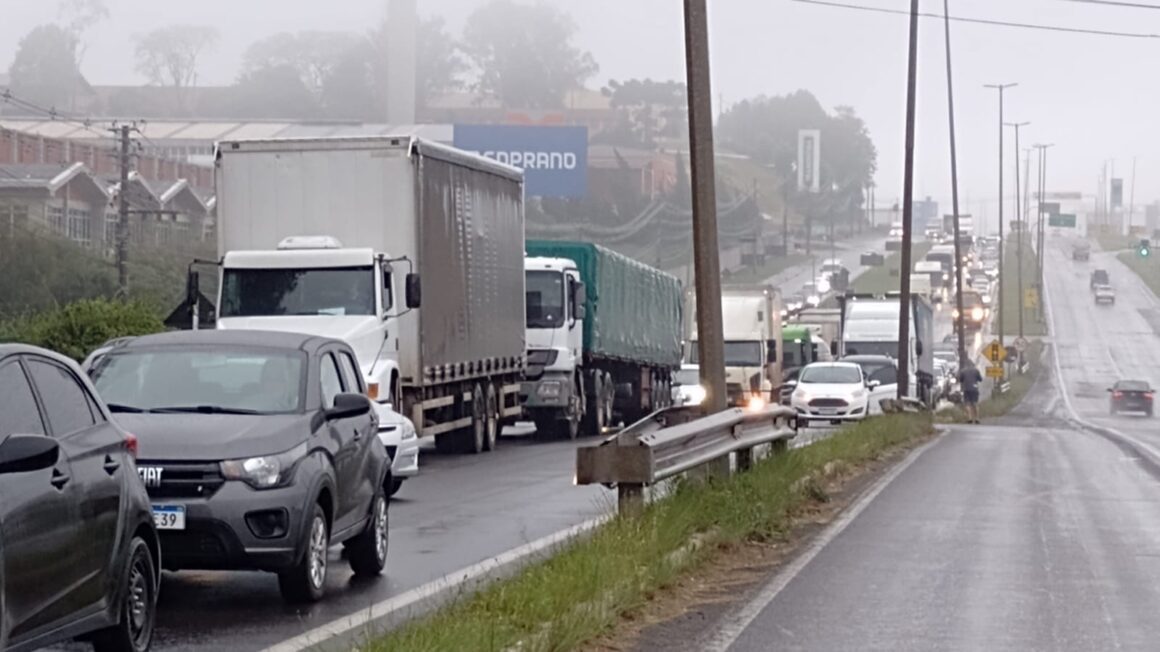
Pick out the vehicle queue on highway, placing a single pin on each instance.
(282, 429)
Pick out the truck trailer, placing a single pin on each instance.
(410, 251)
(870, 327)
(604, 337)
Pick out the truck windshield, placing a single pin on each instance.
(334, 291)
(544, 296)
(737, 354)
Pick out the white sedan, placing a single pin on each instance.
(398, 434)
(832, 391)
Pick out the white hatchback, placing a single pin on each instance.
(832, 391)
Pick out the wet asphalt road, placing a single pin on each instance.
(459, 511)
(1026, 534)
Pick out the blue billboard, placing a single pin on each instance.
(554, 159)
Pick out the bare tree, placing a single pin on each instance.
(169, 56)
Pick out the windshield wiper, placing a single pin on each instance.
(116, 407)
(204, 409)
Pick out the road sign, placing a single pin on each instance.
(995, 372)
(994, 352)
(554, 159)
(1030, 298)
(809, 160)
(1064, 220)
(1021, 344)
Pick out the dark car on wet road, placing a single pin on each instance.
(258, 450)
(1131, 396)
(79, 553)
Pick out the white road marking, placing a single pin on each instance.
(731, 629)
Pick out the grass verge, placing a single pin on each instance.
(880, 280)
(1148, 269)
(1012, 298)
(586, 588)
(1113, 240)
(771, 267)
(997, 405)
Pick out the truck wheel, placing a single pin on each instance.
(477, 442)
(492, 429)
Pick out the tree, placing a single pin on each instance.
(274, 91)
(440, 64)
(169, 56)
(314, 54)
(523, 53)
(647, 111)
(45, 70)
(337, 69)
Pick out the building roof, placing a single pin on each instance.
(47, 177)
(210, 131)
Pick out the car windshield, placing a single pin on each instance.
(883, 371)
(201, 379)
(544, 299)
(308, 292)
(831, 375)
(737, 354)
(1133, 386)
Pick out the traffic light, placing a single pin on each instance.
(1144, 250)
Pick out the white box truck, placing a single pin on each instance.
(751, 317)
(410, 251)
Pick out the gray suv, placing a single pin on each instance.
(258, 450)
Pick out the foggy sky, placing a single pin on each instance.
(1096, 98)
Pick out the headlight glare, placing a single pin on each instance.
(266, 471)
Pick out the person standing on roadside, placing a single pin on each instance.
(969, 379)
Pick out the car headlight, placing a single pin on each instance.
(977, 313)
(697, 395)
(549, 389)
(756, 404)
(267, 471)
(946, 277)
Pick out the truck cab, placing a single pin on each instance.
(753, 344)
(554, 296)
(315, 285)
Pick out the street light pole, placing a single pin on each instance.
(904, 303)
(706, 258)
(1042, 223)
(961, 326)
(1000, 88)
(1022, 226)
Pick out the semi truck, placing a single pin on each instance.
(870, 327)
(604, 338)
(751, 316)
(410, 251)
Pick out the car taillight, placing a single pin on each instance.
(1117, 394)
(131, 444)
(1148, 395)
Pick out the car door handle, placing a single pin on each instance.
(59, 480)
(111, 465)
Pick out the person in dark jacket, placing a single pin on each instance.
(969, 379)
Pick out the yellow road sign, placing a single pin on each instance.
(1030, 298)
(995, 372)
(994, 352)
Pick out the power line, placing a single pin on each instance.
(1114, 3)
(52, 114)
(985, 21)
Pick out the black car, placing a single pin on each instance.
(79, 554)
(1099, 277)
(1131, 396)
(259, 451)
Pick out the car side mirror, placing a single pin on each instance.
(347, 406)
(28, 453)
(871, 384)
(192, 288)
(414, 291)
(1110, 390)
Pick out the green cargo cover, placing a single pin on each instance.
(634, 311)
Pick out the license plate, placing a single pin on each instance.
(169, 517)
(827, 411)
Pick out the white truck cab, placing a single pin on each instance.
(555, 329)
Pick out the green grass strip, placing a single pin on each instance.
(1013, 298)
(771, 267)
(880, 280)
(585, 589)
(997, 405)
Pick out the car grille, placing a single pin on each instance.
(192, 544)
(828, 402)
(184, 479)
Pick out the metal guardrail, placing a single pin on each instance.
(673, 441)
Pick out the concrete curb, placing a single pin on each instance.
(350, 631)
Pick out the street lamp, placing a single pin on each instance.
(1022, 226)
(1000, 88)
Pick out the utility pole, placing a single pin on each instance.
(1000, 88)
(961, 327)
(1042, 219)
(904, 304)
(706, 257)
(1022, 227)
(123, 213)
(1132, 196)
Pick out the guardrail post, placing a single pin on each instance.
(630, 499)
(744, 459)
